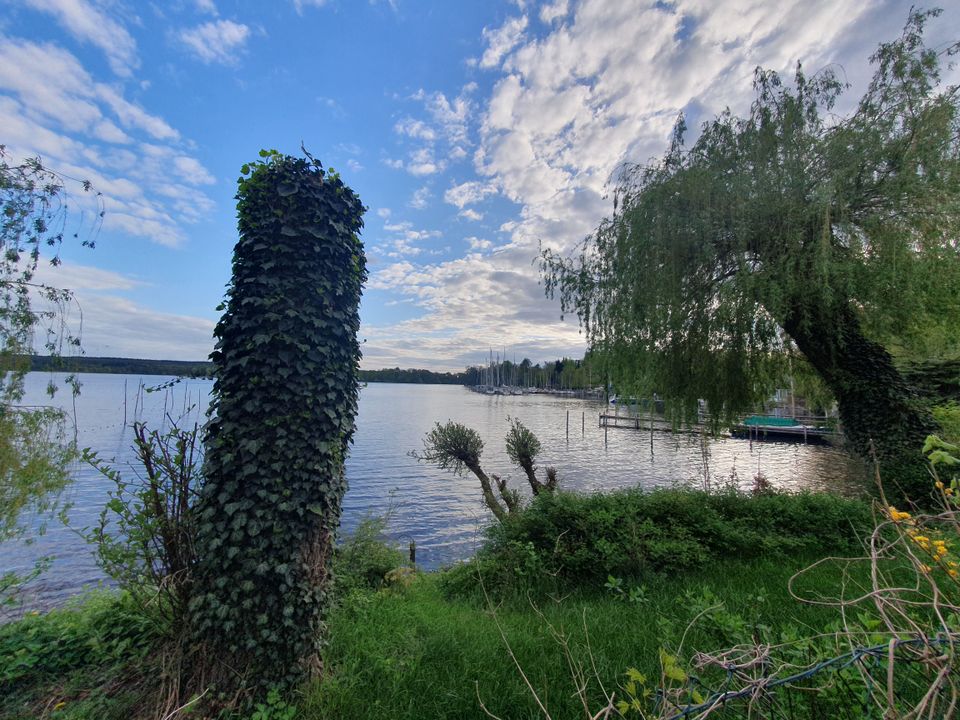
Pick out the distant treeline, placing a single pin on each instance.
(565, 373)
(122, 366)
(425, 377)
(200, 368)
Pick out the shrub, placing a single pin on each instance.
(147, 531)
(586, 538)
(364, 558)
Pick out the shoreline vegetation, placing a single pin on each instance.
(637, 600)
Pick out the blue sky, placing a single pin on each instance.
(473, 131)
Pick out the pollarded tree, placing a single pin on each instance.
(281, 420)
(839, 234)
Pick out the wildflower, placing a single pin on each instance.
(925, 569)
(60, 705)
(952, 573)
(939, 485)
(897, 515)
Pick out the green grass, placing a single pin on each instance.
(433, 649)
(417, 654)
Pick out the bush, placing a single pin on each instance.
(146, 535)
(363, 559)
(90, 660)
(948, 417)
(586, 538)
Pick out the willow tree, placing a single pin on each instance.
(34, 451)
(788, 229)
(281, 420)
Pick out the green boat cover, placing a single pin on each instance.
(770, 421)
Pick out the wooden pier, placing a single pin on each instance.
(756, 432)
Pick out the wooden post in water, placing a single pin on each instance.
(124, 402)
(568, 424)
(583, 423)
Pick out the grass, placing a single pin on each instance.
(416, 653)
(432, 648)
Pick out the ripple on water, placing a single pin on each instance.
(442, 512)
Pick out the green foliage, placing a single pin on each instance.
(412, 375)
(92, 660)
(364, 558)
(146, 536)
(452, 446)
(274, 708)
(281, 421)
(839, 233)
(34, 453)
(572, 539)
(948, 417)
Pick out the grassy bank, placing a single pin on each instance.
(585, 586)
(413, 651)
(419, 653)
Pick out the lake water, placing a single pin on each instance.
(442, 512)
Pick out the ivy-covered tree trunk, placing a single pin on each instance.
(877, 406)
(281, 420)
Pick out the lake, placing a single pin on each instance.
(442, 512)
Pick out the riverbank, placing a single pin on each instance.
(662, 577)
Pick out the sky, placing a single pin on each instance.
(475, 131)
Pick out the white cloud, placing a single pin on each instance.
(354, 165)
(217, 41)
(90, 24)
(476, 243)
(421, 198)
(415, 129)
(554, 11)
(301, 4)
(51, 106)
(470, 214)
(422, 162)
(468, 193)
(502, 40)
(206, 6)
(383, 212)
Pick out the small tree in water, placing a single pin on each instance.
(454, 446)
(281, 420)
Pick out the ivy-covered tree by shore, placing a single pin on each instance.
(789, 228)
(281, 420)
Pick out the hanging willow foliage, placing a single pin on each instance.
(281, 420)
(787, 228)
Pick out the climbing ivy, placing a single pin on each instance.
(281, 419)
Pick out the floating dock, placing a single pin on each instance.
(754, 428)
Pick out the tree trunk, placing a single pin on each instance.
(878, 408)
(488, 497)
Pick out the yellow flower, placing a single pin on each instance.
(60, 705)
(939, 485)
(952, 573)
(925, 569)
